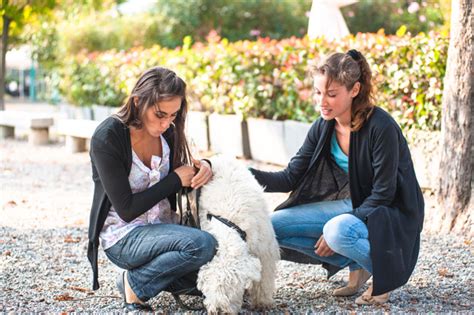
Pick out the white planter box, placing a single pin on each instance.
(267, 140)
(425, 150)
(295, 134)
(101, 112)
(83, 113)
(197, 131)
(67, 110)
(275, 141)
(228, 135)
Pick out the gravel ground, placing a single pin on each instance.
(44, 206)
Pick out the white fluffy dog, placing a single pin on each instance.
(234, 194)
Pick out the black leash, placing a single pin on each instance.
(186, 217)
(181, 304)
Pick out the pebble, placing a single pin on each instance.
(55, 276)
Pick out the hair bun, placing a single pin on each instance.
(356, 55)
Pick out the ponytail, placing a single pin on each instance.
(362, 104)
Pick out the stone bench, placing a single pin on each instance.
(77, 132)
(37, 123)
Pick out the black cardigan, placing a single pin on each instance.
(111, 157)
(383, 188)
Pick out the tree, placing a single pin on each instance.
(455, 189)
(14, 15)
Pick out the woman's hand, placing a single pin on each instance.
(203, 175)
(322, 248)
(185, 174)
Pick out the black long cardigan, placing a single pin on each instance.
(111, 157)
(383, 188)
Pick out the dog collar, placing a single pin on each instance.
(230, 224)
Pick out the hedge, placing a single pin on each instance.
(268, 78)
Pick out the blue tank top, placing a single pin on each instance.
(338, 155)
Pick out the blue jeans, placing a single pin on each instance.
(162, 257)
(299, 228)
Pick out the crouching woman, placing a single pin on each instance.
(355, 201)
(140, 160)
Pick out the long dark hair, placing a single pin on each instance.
(347, 69)
(155, 85)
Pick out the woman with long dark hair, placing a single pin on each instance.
(140, 160)
(355, 201)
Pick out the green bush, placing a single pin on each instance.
(417, 15)
(234, 20)
(170, 21)
(86, 83)
(101, 32)
(268, 78)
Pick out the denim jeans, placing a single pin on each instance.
(299, 228)
(162, 257)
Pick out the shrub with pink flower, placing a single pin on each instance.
(269, 78)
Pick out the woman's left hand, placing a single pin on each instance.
(203, 175)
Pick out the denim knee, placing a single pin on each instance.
(337, 232)
(279, 219)
(206, 246)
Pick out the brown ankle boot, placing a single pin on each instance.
(357, 279)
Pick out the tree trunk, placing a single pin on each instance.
(455, 189)
(3, 65)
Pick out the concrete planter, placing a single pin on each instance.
(197, 130)
(67, 110)
(425, 148)
(295, 134)
(83, 113)
(101, 112)
(275, 141)
(267, 140)
(228, 135)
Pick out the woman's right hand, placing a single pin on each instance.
(322, 248)
(185, 174)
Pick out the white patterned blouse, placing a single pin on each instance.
(141, 177)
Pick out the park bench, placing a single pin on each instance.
(77, 132)
(37, 123)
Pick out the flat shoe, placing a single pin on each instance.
(349, 290)
(120, 282)
(366, 298)
(345, 291)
